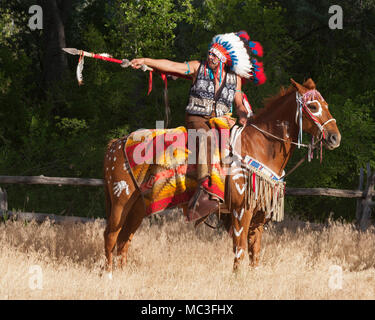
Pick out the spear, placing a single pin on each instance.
(103, 56)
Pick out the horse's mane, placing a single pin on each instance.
(270, 102)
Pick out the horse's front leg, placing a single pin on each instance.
(254, 243)
(255, 237)
(240, 221)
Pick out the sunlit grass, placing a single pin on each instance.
(169, 259)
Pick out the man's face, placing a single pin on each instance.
(213, 61)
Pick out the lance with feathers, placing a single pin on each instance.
(124, 63)
(103, 56)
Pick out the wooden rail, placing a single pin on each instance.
(362, 194)
(40, 217)
(51, 181)
(325, 192)
(99, 182)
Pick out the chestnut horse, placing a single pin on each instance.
(270, 137)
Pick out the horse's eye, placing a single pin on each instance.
(313, 107)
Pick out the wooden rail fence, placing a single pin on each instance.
(363, 194)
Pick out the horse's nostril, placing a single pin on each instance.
(334, 139)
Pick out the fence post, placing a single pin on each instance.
(3, 201)
(367, 202)
(358, 212)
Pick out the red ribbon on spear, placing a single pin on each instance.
(103, 56)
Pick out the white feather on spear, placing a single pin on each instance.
(80, 69)
(80, 66)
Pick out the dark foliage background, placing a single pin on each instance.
(50, 126)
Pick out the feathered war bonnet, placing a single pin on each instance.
(257, 75)
(231, 50)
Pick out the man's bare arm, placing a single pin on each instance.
(238, 101)
(164, 65)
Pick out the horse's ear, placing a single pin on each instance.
(309, 84)
(301, 89)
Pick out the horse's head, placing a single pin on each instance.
(313, 114)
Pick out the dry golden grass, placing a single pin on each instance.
(169, 259)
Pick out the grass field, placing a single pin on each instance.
(169, 259)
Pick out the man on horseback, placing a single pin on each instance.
(216, 85)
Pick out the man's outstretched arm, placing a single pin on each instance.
(164, 65)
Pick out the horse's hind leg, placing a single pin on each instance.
(113, 228)
(118, 208)
(132, 223)
(120, 194)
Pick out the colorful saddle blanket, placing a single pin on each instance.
(160, 165)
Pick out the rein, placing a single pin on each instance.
(278, 138)
(310, 146)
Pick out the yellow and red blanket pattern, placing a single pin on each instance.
(158, 161)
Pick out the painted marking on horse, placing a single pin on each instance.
(119, 187)
(238, 176)
(241, 190)
(238, 216)
(285, 127)
(114, 159)
(237, 233)
(320, 111)
(238, 254)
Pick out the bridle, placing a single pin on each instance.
(302, 102)
(302, 106)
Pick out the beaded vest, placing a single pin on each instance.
(202, 99)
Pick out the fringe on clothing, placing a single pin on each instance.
(264, 194)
